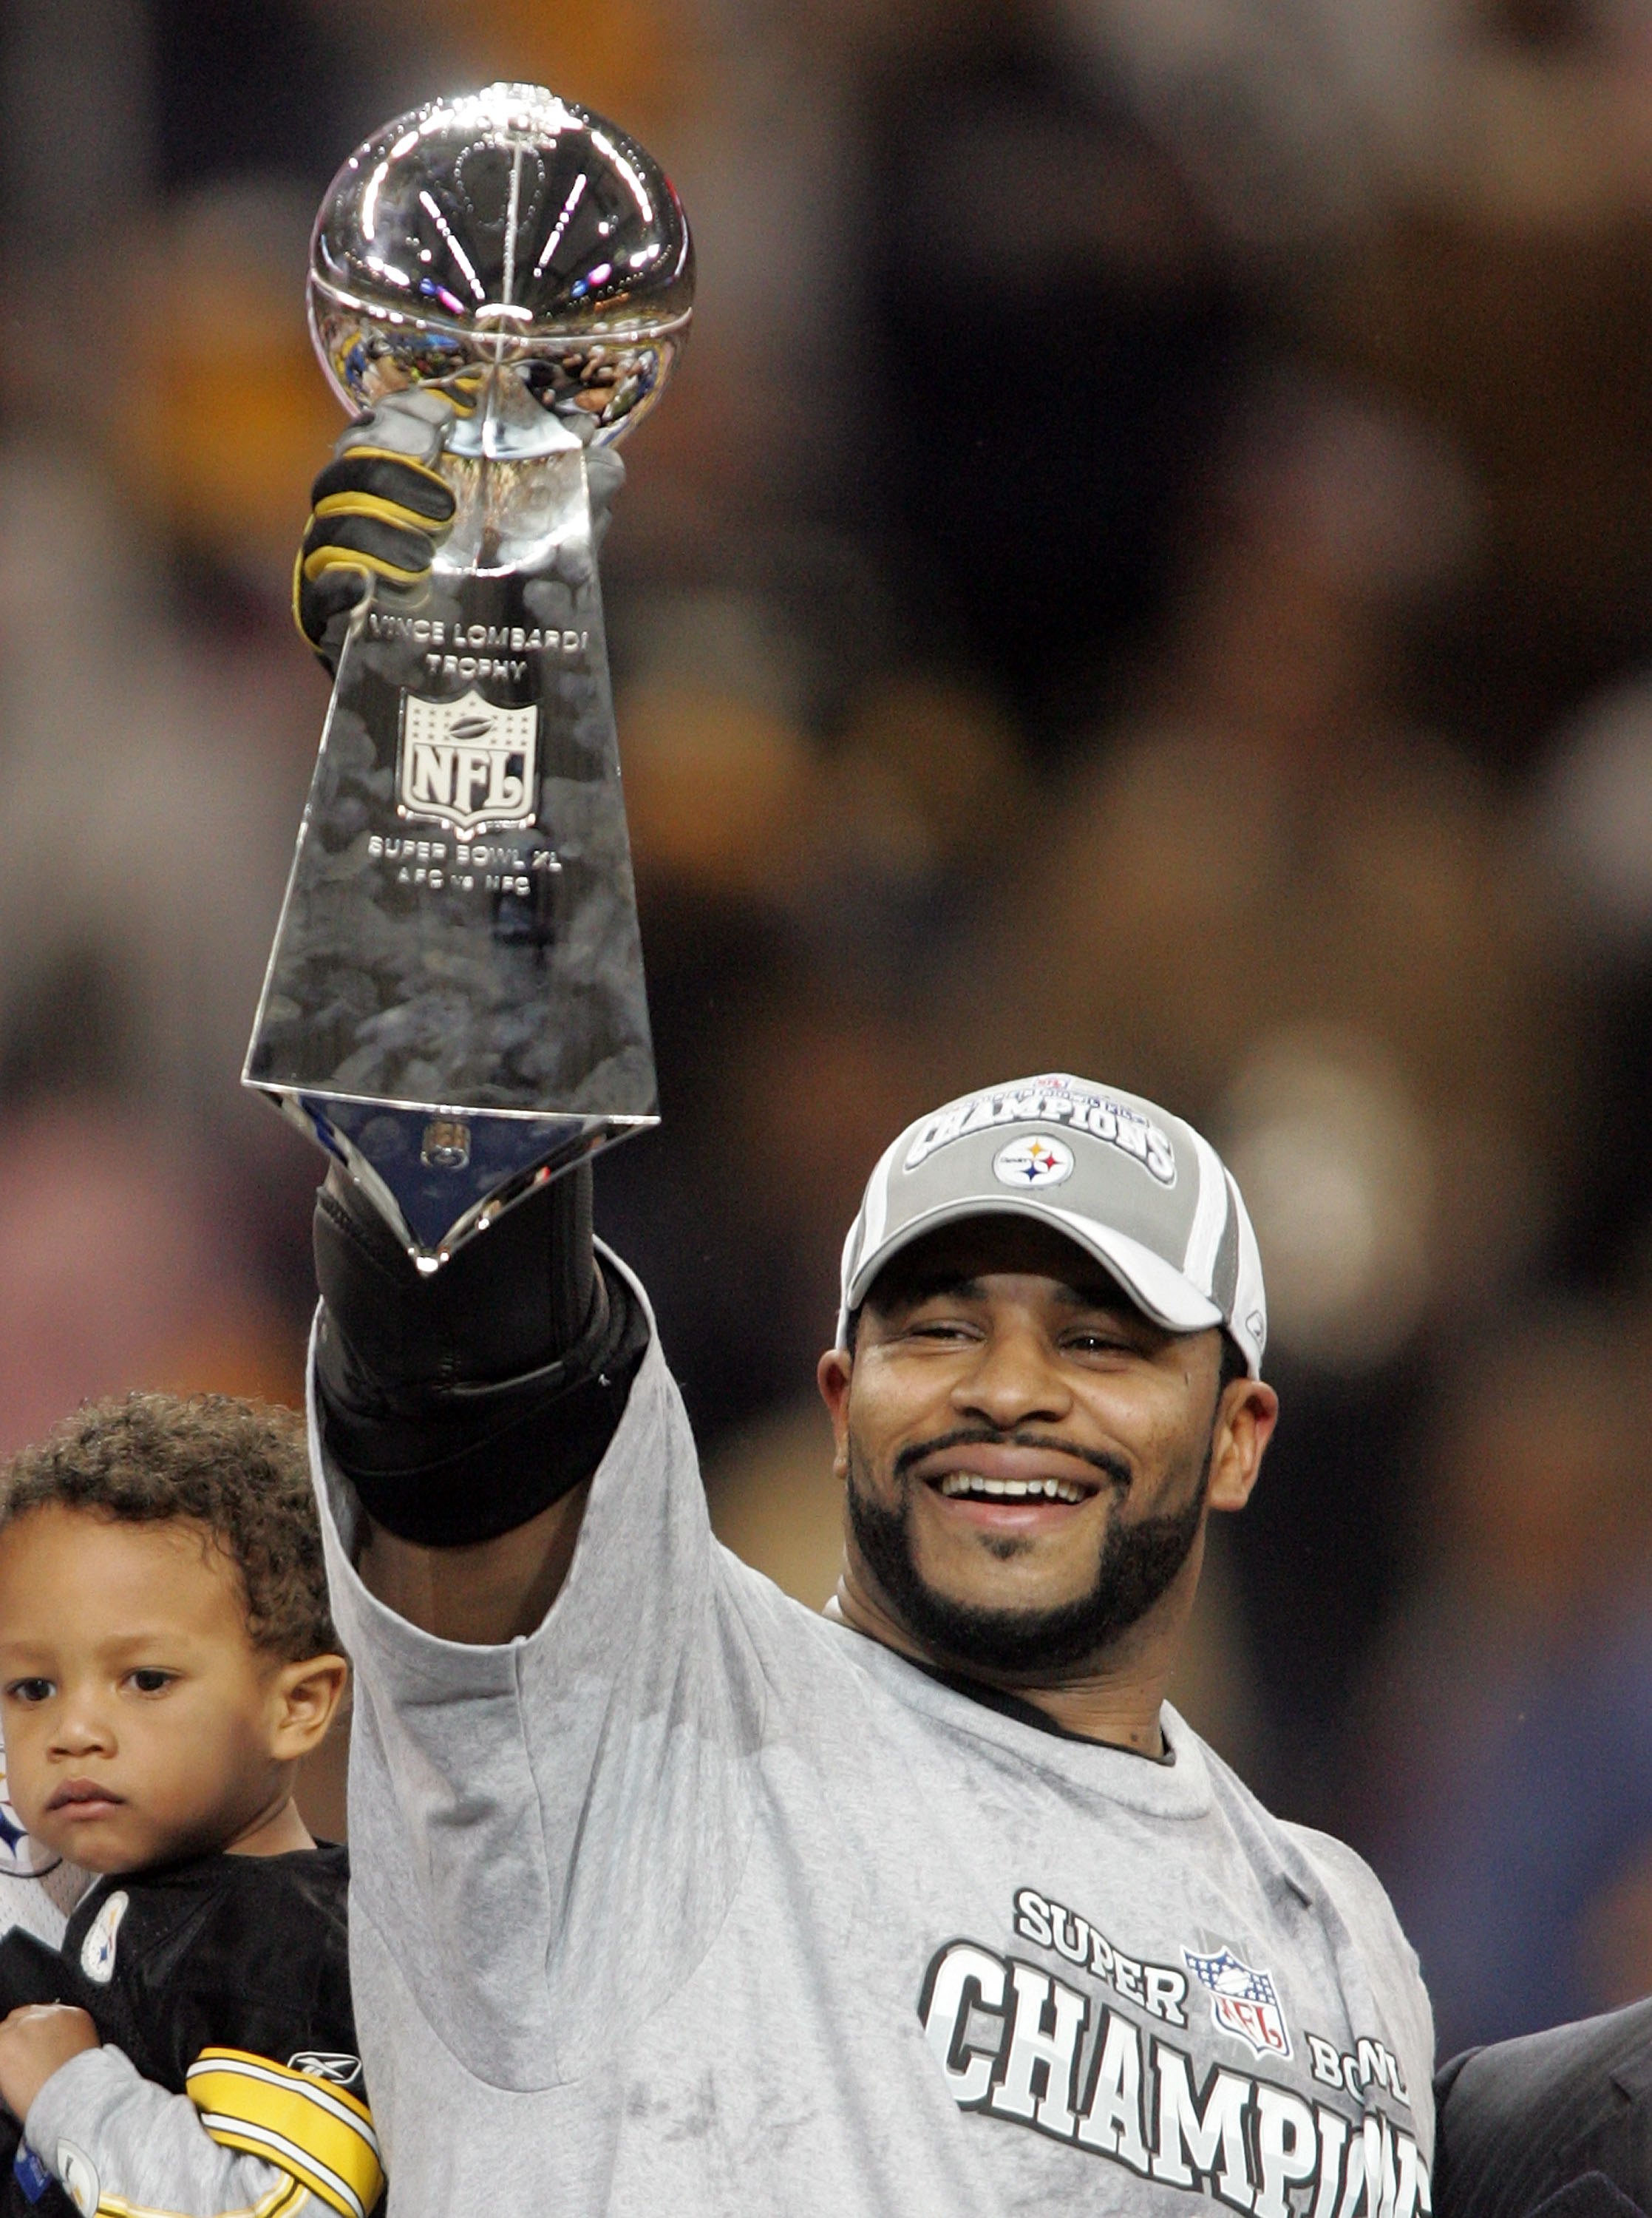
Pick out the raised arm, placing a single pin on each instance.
(470, 1408)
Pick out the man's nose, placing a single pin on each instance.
(1014, 1380)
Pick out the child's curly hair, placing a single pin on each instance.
(238, 1470)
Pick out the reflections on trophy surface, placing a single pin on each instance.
(454, 1004)
(510, 227)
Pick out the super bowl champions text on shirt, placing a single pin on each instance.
(1107, 2066)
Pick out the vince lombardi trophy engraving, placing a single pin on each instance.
(455, 1006)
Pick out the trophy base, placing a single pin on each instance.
(440, 1176)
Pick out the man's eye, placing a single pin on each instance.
(147, 1681)
(29, 1690)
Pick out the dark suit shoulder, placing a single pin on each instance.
(1522, 2119)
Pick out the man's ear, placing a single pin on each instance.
(833, 1373)
(305, 1699)
(1246, 1417)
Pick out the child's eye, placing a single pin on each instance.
(29, 1690)
(148, 1681)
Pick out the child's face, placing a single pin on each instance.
(141, 1722)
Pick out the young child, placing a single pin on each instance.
(166, 1661)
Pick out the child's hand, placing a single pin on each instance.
(35, 2042)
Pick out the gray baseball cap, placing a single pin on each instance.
(1131, 1185)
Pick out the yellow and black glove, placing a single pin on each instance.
(381, 510)
(381, 507)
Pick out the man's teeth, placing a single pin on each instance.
(969, 1485)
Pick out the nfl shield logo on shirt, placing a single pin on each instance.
(468, 764)
(1243, 2001)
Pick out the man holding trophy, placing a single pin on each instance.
(670, 1894)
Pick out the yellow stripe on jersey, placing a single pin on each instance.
(311, 2128)
(283, 2200)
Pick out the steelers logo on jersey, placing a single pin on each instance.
(1041, 1161)
(97, 1949)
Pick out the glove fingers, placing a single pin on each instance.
(415, 422)
(395, 550)
(316, 601)
(380, 508)
(339, 554)
(375, 480)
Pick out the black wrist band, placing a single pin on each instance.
(457, 1464)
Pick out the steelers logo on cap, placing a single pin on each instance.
(1041, 1161)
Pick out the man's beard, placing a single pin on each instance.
(1138, 1563)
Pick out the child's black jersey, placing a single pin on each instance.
(225, 1978)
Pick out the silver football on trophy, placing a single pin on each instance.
(507, 229)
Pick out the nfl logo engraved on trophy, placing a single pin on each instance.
(1243, 2001)
(468, 763)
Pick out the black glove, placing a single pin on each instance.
(463, 1403)
(380, 510)
(381, 507)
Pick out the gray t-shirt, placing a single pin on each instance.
(694, 1902)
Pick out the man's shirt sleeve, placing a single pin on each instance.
(546, 1834)
(251, 2139)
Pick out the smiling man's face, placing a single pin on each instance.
(1028, 1457)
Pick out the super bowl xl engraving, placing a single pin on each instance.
(454, 1004)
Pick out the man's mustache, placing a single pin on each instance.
(1113, 1468)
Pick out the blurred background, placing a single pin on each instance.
(1145, 570)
